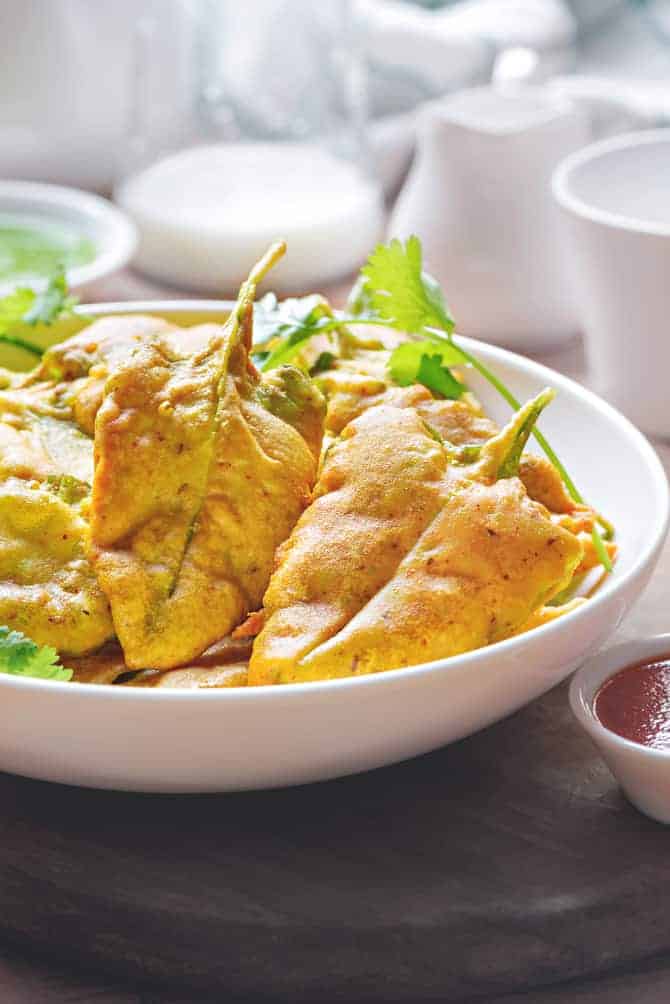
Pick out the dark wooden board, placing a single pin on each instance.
(506, 861)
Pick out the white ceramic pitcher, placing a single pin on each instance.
(479, 197)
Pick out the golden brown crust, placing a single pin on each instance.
(224, 664)
(402, 559)
(196, 484)
(543, 483)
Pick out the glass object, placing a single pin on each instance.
(275, 147)
(627, 43)
(657, 15)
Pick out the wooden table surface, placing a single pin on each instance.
(28, 979)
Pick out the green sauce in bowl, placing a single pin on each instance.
(32, 246)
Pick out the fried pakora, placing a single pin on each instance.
(172, 517)
(409, 554)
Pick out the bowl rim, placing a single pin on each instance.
(601, 667)
(121, 232)
(562, 181)
(392, 677)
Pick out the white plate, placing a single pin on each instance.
(187, 741)
(110, 230)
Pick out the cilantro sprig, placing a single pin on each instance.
(24, 308)
(20, 656)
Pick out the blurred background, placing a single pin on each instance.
(216, 126)
(86, 85)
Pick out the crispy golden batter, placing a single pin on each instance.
(38, 439)
(47, 587)
(360, 381)
(545, 615)
(193, 678)
(404, 557)
(222, 665)
(543, 483)
(151, 480)
(104, 343)
(78, 368)
(350, 541)
(104, 666)
(196, 484)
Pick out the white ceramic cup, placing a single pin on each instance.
(642, 772)
(616, 201)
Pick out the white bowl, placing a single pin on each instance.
(110, 230)
(615, 199)
(642, 772)
(182, 741)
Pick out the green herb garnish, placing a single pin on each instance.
(427, 363)
(20, 656)
(398, 290)
(281, 329)
(24, 308)
(323, 363)
(525, 423)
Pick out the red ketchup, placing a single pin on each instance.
(635, 703)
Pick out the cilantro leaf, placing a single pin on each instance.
(24, 308)
(20, 656)
(405, 360)
(424, 362)
(273, 316)
(438, 378)
(401, 293)
(281, 329)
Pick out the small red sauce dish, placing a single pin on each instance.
(635, 703)
(621, 697)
